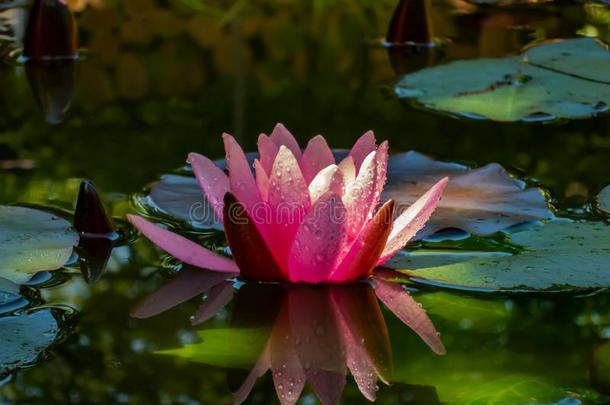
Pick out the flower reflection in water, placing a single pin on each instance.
(310, 333)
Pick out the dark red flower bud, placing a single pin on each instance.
(51, 34)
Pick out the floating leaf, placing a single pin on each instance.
(564, 79)
(586, 58)
(24, 337)
(9, 292)
(32, 241)
(481, 201)
(603, 200)
(559, 256)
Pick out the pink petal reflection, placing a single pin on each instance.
(288, 374)
(218, 297)
(317, 341)
(260, 368)
(183, 249)
(365, 336)
(400, 302)
(187, 284)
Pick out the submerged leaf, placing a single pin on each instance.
(559, 256)
(32, 241)
(547, 82)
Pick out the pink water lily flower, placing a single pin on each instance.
(301, 216)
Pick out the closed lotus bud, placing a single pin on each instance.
(90, 217)
(409, 24)
(51, 33)
(96, 228)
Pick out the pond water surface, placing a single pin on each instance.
(158, 79)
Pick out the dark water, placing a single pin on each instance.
(161, 78)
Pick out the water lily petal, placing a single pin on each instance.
(359, 194)
(317, 342)
(219, 296)
(316, 157)
(362, 148)
(381, 168)
(412, 220)
(366, 250)
(243, 185)
(282, 137)
(348, 168)
(267, 152)
(187, 284)
(213, 182)
(399, 301)
(289, 203)
(183, 249)
(317, 244)
(262, 179)
(248, 246)
(329, 179)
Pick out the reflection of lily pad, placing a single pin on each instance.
(560, 255)
(24, 337)
(547, 82)
(32, 241)
(237, 348)
(603, 199)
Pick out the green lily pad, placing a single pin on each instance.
(559, 256)
(549, 81)
(32, 241)
(585, 58)
(24, 337)
(603, 200)
(9, 292)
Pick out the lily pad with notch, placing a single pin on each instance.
(561, 255)
(564, 79)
